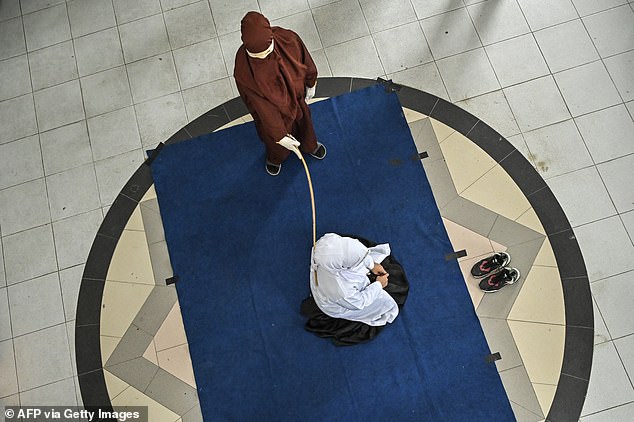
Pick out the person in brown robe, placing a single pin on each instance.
(275, 75)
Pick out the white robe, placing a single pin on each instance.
(343, 289)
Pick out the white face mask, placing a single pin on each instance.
(263, 54)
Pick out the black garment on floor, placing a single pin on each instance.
(344, 332)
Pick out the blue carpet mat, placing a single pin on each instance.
(240, 240)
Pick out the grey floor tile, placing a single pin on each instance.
(53, 65)
(137, 372)
(321, 61)
(155, 309)
(133, 344)
(498, 21)
(160, 118)
(517, 60)
(9, 384)
(607, 374)
(304, 25)
(88, 16)
(468, 75)
(46, 27)
(588, 7)
(153, 77)
(608, 133)
(275, 9)
(144, 38)
(500, 339)
(113, 133)
(35, 304)
(70, 281)
(543, 13)
(614, 173)
(627, 218)
(612, 31)
(536, 103)
(70, 332)
(605, 241)
(193, 415)
(114, 172)
(18, 118)
(450, 33)
(65, 147)
(19, 250)
(126, 11)
(572, 190)
(620, 413)
(519, 389)
(12, 36)
(493, 109)
(379, 18)
(566, 45)
(227, 16)
(5, 318)
(519, 143)
(30, 6)
(620, 68)
(425, 77)
(161, 265)
(60, 393)
(203, 98)
(557, 149)
(523, 415)
(340, 22)
(98, 51)
(601, 333)
(189, 24)
(106, 91)
(598, 92)
(152, 222)
(357, 57)
(59, 105)
(172, 392)
(412, 51)
(625, 348)
(630, 107)
(317, 3)
(74, 236)
(614, 296)
(20, 161)
(172, 4)
(23, 207)
(9, 9)
(199, 63)
(17, 71)
(42, 357)
(425, 140)
(229, 43)
(481, 220)
(72, 192)
(427, 8)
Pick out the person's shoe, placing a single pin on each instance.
(272, 169)
(320, 152)
(495, 282)
(490, 264)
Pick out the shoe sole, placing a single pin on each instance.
(478, 277)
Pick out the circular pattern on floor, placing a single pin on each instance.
(130, 344)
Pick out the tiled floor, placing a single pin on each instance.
(86, 86)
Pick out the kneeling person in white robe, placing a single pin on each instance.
(343, 289)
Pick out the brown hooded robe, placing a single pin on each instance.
(273, 88)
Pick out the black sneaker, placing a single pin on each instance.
(495, 282)
(490, 264)
(272, 169)
(320, 152)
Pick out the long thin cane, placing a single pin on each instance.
(312, 200)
